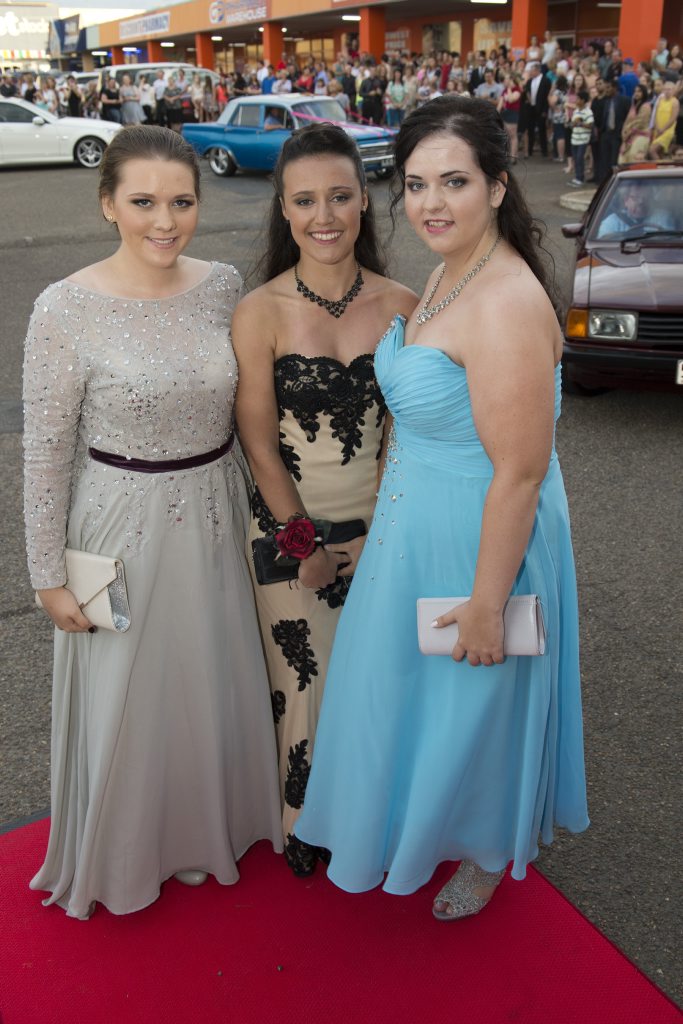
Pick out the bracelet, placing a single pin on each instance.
(297, 538)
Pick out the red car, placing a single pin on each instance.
(624, 326)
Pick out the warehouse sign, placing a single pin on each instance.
(237, 12)
(149, 25)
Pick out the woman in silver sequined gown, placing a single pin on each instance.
(163, 750)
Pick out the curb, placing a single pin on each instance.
(579, 201)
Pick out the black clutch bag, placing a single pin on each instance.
(271, 569)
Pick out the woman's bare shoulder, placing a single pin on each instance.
(395, 297)
(266, 295)
(515, 306)
(257, 314)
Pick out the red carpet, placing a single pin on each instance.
(289, 951)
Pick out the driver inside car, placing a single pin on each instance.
(273, 120)
(634, 211)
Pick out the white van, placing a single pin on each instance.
(117, 71)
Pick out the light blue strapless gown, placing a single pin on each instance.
(419, 759)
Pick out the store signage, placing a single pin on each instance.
(14, 26)
(71, 32)
(24, 33)
(238, 12)
(149, 25)
(397, 39)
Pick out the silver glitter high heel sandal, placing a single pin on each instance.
(459, 894)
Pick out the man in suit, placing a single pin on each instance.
(477, 73)
(536, 92)
(612, 116)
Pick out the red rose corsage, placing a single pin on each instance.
(297, 538)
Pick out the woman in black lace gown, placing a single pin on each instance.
(311, 418)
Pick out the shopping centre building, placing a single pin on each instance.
(230, 33)
(225, 33)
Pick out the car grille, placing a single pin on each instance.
(372, 151)
(661, 328)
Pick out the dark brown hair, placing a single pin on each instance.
(282, 252)
(143, 142)
(478, 123)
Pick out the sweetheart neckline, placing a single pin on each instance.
(329, 359)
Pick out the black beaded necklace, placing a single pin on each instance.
(334, 307)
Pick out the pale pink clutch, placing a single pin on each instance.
(522, 618)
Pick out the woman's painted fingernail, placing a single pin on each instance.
(434, 623)
(92, 629)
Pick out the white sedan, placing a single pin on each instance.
(29, 135)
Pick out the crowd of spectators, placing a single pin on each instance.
(588, 107)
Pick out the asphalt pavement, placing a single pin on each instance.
(621, 455)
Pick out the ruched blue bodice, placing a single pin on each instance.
(428, 396)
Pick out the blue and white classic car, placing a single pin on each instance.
(247, 134)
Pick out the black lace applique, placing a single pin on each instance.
(279, 702)
(314, 386)
(298, 771)
(262, 514)
(290, 458)
(292, 636)
(335, 594)
(301, 857)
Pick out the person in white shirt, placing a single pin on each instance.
(147, 100)
(281, 83)
(549, 47)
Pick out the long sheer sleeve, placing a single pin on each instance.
(54, 387)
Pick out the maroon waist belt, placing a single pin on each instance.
(163, 465)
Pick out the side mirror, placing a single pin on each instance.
(37, 120)
(572, 230)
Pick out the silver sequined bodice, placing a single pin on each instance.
(151, 380)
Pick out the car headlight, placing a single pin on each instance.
(612, 326)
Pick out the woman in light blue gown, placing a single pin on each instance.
(473, 757)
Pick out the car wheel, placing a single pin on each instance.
(88, 152)
(385, 173)
(221, 163)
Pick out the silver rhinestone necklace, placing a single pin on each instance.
(426, 312)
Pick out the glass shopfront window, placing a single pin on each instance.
(315, 49)
(235, 57)
(444, 35)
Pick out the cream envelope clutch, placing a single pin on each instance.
(99, 585)
(522, 618)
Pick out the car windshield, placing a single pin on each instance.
(318, 110)
(639, 207)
